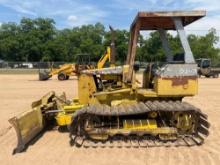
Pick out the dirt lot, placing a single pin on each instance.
(18, 91)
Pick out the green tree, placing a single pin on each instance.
(205, 46)
(121, 44)
(36, 35)
(151, 49)
(9, 43)
(39, 40)
(27, 41)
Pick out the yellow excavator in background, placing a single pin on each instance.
(64, 71)
(106, 57)
(110, 52)
(83, 62)
(118, 111)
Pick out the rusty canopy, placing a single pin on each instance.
(162, 20)
(157, 20)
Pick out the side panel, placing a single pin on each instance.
(176, 80)
(86, 88)
(177, 87)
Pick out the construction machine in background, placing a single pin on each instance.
(83, 62)
(118, 111)
(64, 71)
(205, 68)
(104, 59)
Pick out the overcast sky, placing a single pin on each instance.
(118, 13)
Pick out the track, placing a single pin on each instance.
(135, 142)
(197, 138)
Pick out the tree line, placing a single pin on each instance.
(39, 40)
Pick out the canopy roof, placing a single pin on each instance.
(163, 19)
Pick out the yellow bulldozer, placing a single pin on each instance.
(118, 110)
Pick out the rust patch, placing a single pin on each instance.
(183, 80)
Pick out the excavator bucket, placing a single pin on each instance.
(30, 123)
(44, 75)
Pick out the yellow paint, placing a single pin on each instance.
(147, 92)
(63, 119)
(29, 123)
(86, 89)
(139, 124)
(72, 107)
(122, 102)
(125, 69)
(112, 77)
(75, 100)
(164, 87)
(106, 57)
(65, 68)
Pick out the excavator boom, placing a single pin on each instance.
(106, 57)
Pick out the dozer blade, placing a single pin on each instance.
(44, 75)
(27, 126)
(30, 123)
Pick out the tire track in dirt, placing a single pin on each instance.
(5, 131)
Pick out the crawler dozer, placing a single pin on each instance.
(117, 110)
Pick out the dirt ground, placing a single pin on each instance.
(18, 91)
